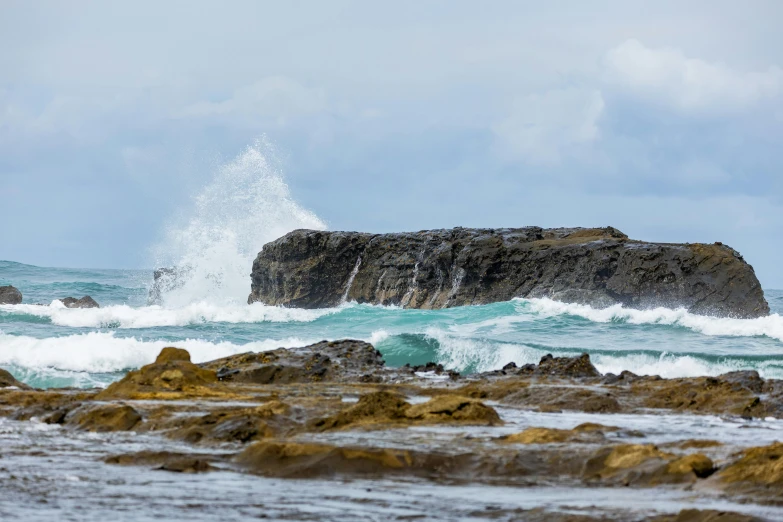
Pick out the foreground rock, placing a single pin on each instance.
(444, 268)
(172, 375)
(10, 295)
(84, 302)
(333, 409)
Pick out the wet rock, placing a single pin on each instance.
(565, 367)
(372, 408)
(326, 361)
(390, 408)
(174, 377)
(443, 268)
(587, 432)
(171, 353)
(104, 417)
(758, 471)
(304, 460)
(165, 461)
(645, 464)
(7, 380)
(240, 425)
(10, 295)
(708, 515)
(744, 380)
(556, 398)
(451, 408)
(84, 302)
(720, 395)
(165, 280)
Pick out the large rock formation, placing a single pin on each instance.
(443, 268)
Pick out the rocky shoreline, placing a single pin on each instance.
(334, 410)
(435, 269)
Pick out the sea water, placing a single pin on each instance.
(247, 204)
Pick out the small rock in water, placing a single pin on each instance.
(8, 380)
(10, 295)
(84, 302)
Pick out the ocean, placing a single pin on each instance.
(48, 345)
(246, 204)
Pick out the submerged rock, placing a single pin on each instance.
(84, 302)
(10, 295)
(443, 268)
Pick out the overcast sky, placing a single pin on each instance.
(663, 119)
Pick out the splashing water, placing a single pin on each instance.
(245, 206)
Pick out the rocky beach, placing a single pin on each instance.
(333, 430)
(333, 414)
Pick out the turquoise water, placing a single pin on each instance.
(49, 345)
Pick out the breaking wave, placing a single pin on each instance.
(245, 206)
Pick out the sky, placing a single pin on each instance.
(663, 119)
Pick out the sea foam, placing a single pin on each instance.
(245, 206)
(105, 352)
(123, 316)
(769, 326)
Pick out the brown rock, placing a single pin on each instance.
(84, 302)
(168, 379)
(7, 380)
(165, 461)
(301, 460)
(172, 354)
(104, 417)
(451, 408)
(587, 432)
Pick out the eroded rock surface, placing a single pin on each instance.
(444, 268)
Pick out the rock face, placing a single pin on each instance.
(84, 302)
(10, 295)
(444, 268)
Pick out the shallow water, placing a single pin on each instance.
(49, 473)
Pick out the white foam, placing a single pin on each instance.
(481, 355)
(378, 336)
(123, 316)
(770, 326)
(247, 205)
(103, 352)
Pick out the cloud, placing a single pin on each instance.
(275, 98)
(542, 127)
(668, 76)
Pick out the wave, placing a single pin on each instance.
(770, 326)
(126, 317)
(245, 206)
(104, 352)
(469, 355)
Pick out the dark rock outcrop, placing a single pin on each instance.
(84, 302)
(443, 268)
(10, 295)
(327, 361)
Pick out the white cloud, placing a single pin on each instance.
(275, 98)
(668, 76)
(541, 127)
